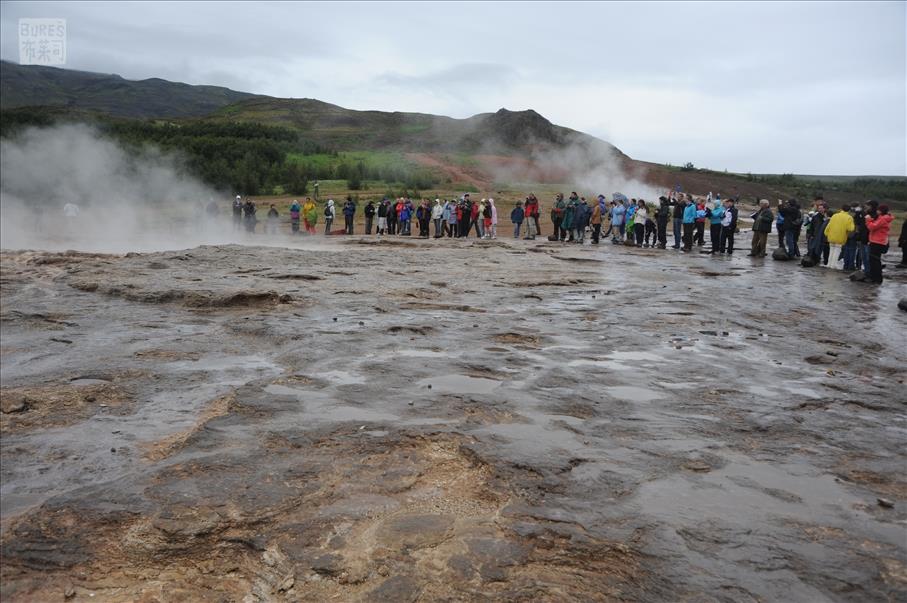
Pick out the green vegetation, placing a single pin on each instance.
(248, 158)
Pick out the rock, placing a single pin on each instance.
(383, 571)
(69, 592)
(13, 403)
(361, 324)
(903, 304)
(411, 403)
(287, 583)
(335, 319)
(884, 502)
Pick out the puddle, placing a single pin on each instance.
(633, 393)
(460, 384)
(746, 492)
(86, 382)
(635, 356)
(340, 377)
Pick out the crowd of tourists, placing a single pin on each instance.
(853, 238)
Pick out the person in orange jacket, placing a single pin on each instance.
(879, 225)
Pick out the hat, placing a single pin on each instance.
(238, 197)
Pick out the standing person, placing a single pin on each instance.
(639, 221)
(716, 215)
(494, 219)
(476, 217)
(581, 220)
(437, 216)
(817, 246)
(677, 224)
(618, 213)
(273, 219)
(516, 217)
(383, 209)
(453, 226)
(423, 214)
(689, 224)
(792, 218)
(606, 213)
(568, 218)
(349, 211)
(369, 212)
(700, 223)
(309, 215)
(557, 215)
(869, 208)
(391, 217)
(762, 225)
(237, 213)
(405, 217)
(902, 243)
(879, 226)
(329, 214)
(445, 218)
(532, 213)
(779, 225)
(662, 215)
(595, 219)
(838, 229)
(728, 228)
(464, 217)
(248, 211)
(485, 208)
(295, 212)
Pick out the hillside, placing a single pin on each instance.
(34, 85)
(257, 143)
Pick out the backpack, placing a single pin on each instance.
(327, 211)
(780, 255)
(808, 261)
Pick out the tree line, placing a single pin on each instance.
(244, 157)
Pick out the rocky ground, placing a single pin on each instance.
(398, 420)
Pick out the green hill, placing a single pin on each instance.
(33, 85)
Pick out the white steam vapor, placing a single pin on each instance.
(127, 201)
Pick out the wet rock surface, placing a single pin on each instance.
(385, 420)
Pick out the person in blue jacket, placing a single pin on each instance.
(516, 216)
(716, 215)
(689, 223)
(618, 213)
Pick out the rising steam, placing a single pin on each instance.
(129, 201)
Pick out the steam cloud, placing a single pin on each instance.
(129, 201)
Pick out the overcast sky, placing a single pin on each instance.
(764, 87)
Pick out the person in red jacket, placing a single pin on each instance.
(879, 224)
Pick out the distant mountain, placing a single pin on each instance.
(34, 85)
(337, 127)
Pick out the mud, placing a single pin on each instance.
(358, 420)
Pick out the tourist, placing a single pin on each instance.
(494, 219)
(309, 215)
(273, 220)
(437, 216)
(533, 212)
(383, 212)
(879, 225)
(618, 214)
(485, 209)
(762, 226)
(662, 215)
(792, 221)
(423, 216)
(836, 232)
(349, 211)
(595, 219)
(689, 224)
(294, 216)
(248, 210)
(728, 228)
(716, 215)
(328, 216)
(369, 212)
(516, 217)
(237, 213)
(581, 215)
(817, 245)
(557, 215)
(677, 224)
(639, 222)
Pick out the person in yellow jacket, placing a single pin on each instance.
(836, 232)
(309, 215)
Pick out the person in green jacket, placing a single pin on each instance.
(567, 219)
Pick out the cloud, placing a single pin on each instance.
(769, 87)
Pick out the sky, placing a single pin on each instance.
(762, 87)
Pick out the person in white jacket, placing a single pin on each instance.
(494, 219)
(437, 213)
(639, 222)
(329, 216)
